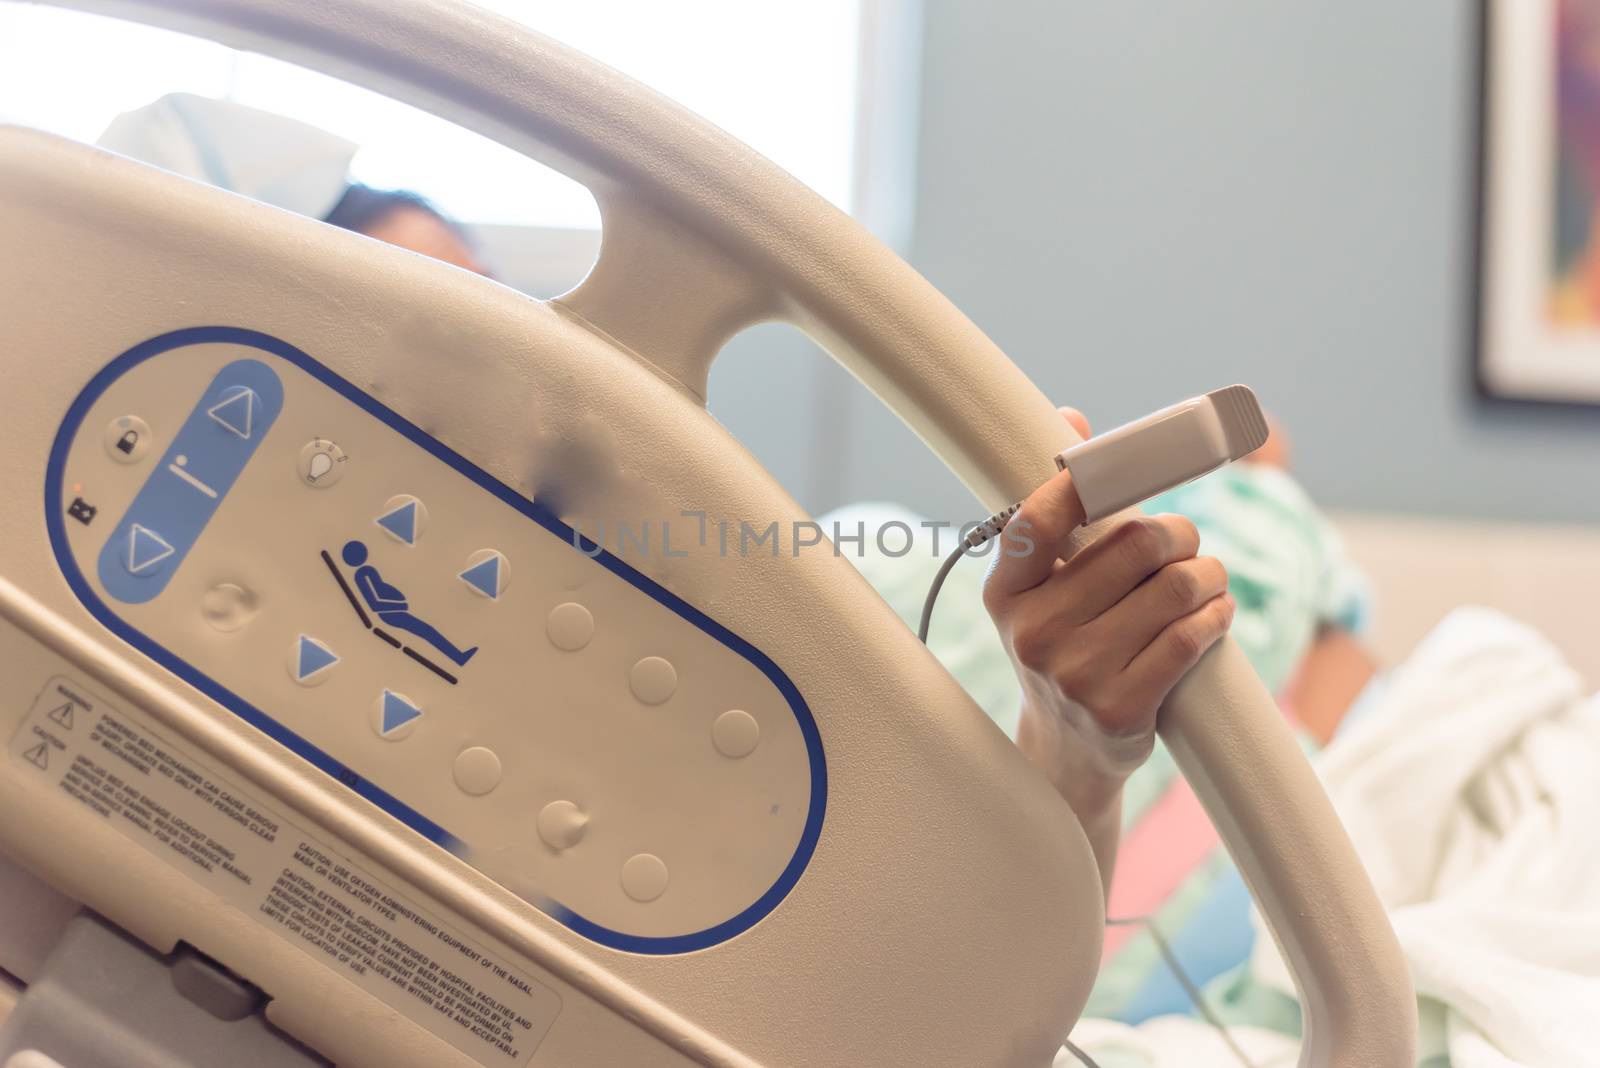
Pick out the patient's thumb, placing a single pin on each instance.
(1077, 420)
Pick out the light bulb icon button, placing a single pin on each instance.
(321, 463)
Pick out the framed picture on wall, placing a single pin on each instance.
(1539, 332)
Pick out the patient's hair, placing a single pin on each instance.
(362, 206)
(406, 220)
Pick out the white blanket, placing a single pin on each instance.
(1471, 789)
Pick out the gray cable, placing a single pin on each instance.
(933, 592)
(1188, 985)
(1184, 981)
(1088, 1061)
(976, 537)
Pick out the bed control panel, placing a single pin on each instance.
(440, 644)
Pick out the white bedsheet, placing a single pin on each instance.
(1472, 792)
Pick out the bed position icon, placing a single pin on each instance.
(389, 604)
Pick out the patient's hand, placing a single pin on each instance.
(1098, 639)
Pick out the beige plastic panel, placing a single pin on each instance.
(904, 915)
(555, 704)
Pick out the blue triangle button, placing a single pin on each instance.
(486, 576)
(312, 658)
(146, 549)
(397, 712)
(235, 412)
(401, 521)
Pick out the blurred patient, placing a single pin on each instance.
(285, 163)
(406, 219)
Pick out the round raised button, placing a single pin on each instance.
(227, 606)
(644, 877)
(561, 824)
(477, 770)
(321, 463)
(403, 518)
(127, 439)
(570, 626)
(310, 661)
(653, 680)
(735, 733)
(487, 573)
(394, 715)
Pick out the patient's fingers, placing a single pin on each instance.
(1174, 591)
(1179, 646)
(1049, 515)
(1107, 570)
(1034, 539)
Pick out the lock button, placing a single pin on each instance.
(127, 439)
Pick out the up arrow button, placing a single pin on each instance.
(236, 411)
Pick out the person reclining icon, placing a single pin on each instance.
(391, 606)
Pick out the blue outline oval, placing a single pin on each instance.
(55, 473)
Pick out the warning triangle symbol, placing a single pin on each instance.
(38, 756)
(62, 715)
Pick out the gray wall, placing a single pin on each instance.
(1139, 201)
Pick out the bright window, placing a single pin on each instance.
(781, 77)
